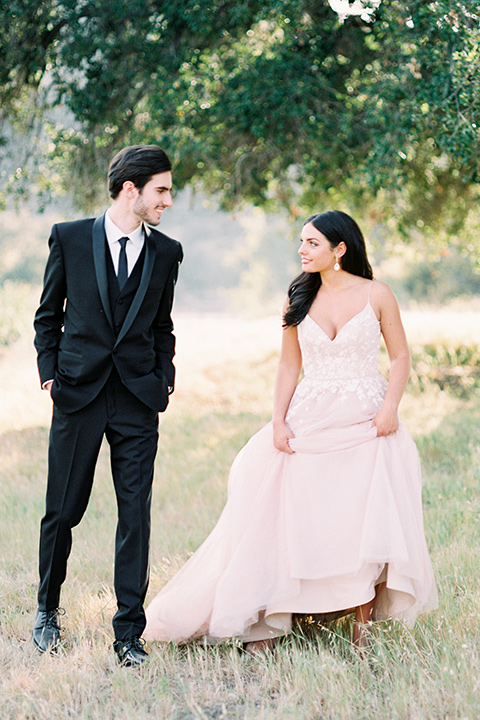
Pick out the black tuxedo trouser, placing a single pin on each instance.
(131, 429)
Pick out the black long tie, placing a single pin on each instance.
(122, 263)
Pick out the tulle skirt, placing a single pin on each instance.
(323, 530)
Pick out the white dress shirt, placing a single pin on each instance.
(133, 248)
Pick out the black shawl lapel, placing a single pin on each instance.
(150, 254)
(100, 262)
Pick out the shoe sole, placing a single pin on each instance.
(50, 648)
(129, 663)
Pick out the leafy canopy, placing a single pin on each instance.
(280, 101)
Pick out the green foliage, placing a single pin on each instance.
(442, 278)
(27, 32)
(273, 102)
(450, 367)
(455, 369)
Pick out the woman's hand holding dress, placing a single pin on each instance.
(281, 436)
(386, 421)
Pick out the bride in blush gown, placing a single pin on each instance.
(324, 508)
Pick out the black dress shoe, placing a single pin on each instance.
(46, 631)
(130, 652)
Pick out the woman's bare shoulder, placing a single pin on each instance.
(383, 300)
(381, 291)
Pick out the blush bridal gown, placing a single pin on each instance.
(316, 531)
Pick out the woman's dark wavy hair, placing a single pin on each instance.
(337, 226)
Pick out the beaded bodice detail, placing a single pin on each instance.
(347, 364)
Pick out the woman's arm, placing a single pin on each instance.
(385, 302)
(289, 367)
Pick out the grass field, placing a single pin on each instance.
(225, 379)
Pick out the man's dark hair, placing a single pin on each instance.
(137, 163)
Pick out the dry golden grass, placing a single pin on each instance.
(225, 380)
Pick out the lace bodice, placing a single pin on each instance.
(352, 353)
(346, 364)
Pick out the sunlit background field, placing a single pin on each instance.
(228, 340)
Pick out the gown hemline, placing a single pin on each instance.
(343, 512)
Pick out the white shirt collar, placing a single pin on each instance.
(114, 233)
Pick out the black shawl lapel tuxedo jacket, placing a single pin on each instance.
(76, 341)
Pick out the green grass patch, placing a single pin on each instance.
(424, 673)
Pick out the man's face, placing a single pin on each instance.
(153, 198)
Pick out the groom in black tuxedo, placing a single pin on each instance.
(105, 344)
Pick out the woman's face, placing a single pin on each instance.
(316, 252)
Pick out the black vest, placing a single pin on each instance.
(120, 301)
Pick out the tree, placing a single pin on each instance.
(273, 102)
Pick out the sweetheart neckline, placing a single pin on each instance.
(345, 324)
